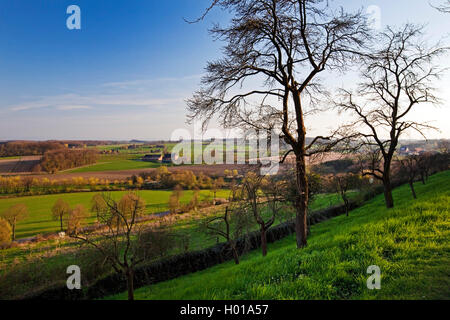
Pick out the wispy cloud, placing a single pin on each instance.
(147, 82)
(74, 101)
(73, 107)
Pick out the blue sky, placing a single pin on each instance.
(127, 72)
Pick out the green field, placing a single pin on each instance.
(409, 243)
(45, 263)
(39, 207)
(131, 159)
(117, 165)
(126, 159)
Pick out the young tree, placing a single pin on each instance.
(60, 210)
(216, 185)
(13, 215)
(425, 163)
(267, 79)
(195, 201)
(132, 204)
(261, 198)
(123, 243)
(396, 78)
(174, 200)
(409, 168)
(232, 225)
(5, 233)
(343, 183)
(76, 219)
(98, 205)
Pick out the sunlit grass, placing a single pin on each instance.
(409, 243)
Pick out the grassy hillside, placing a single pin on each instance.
(40, 217)
(409, 243)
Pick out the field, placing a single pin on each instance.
(45, 263)
(18, 164)
(128, 159)
(410, 244)
(116, 163)
(40, 219)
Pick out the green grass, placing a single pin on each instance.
(117, 165)
(130, 159)
(44, 263)
(409, 243)
(127, 159)
(39, 207)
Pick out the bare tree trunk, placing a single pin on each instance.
(387, 183)
(347, 205)
(130, 285)
(413, 191)
(61, 221)
(301, 225)
(13, 236)
(263, 242)
(235, 254)
(422, 177)
(388, 193)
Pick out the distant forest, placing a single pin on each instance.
(25, 148)
(63, 159)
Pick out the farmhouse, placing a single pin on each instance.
(167, 158)
(152, 158)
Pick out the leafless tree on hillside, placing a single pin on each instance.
(409, 168)
(397, 77)
(123, 242)
(277, 49)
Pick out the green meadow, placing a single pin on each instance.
(40, 220)
(409, 243)
(47, 261)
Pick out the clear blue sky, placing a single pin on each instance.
(126, 73)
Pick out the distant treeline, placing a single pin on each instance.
(63, 159)
(28, 148)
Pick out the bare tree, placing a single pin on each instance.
(13, 215)
(343, 183)
(278, 48)
(5, 233)
(261, 198)
(232, 225)
(409, 168)
(98, 205)
(425, 164)
(60, 210)
(174, 199)
(76, 219)
(217, 184)
(444, 7)
(121, 241)
(397, 77)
